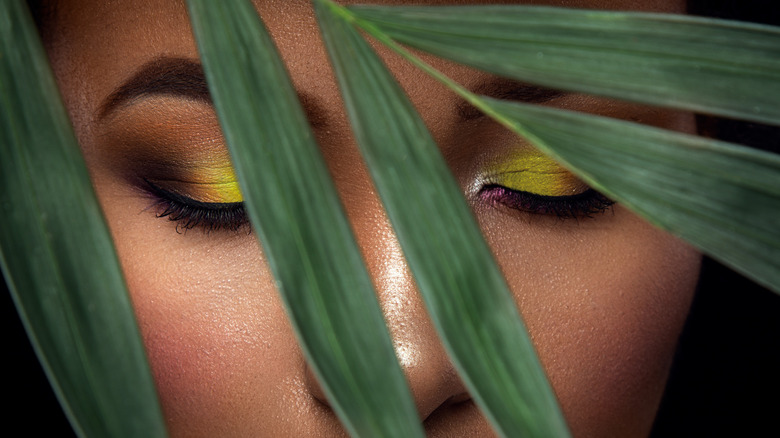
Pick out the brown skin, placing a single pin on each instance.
(604, 298)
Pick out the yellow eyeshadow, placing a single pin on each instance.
(528, 170)
(209, 182)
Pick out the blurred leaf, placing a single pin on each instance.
(464, 290)
(57, 254)
(712, 66)
(296, 212)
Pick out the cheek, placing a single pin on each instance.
(212, 331)
(223, 355)
(604, 301)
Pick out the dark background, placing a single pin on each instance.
(726, 377)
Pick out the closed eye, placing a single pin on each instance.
(581, 205)
(190, 213)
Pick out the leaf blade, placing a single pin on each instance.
(291, 200)
(729, 68)
(721, 197)
(57, 254)
(757, 244)
(465, 293)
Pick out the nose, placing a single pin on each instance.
(432, 378)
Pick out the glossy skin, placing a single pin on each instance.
(604, 297)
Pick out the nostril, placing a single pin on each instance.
(459, 398)
(452, 403)
(313, 385)
(428, 404)
(458, 416)
(435, 384)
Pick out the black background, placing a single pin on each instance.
(725, 379)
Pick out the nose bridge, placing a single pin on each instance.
(431, 376)
(414, 338)
(428, 370)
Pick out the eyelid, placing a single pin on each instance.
(184, 199)
(528, 170)
(582, 205)
(190, 213)
(204, 183)
(227, 192)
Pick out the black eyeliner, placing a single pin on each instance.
(582, 205)
(190, 213)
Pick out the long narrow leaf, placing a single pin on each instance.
(463, 288)
(296, 212)
(713, 66)
(723, 198)
(57, 254)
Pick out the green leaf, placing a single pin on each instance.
(721, 197)
(296, 212)
(712, 66)
(57, 255)
(466, 295)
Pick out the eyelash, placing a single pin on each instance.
(212, 216)
(582, 205)
(190, 213)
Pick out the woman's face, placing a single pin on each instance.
(604, 297)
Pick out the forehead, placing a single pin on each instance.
(136, 25)
(73, 11)
(95, 45)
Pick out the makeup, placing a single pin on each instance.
(204, 181)
(528, 170)
(524, 179)
(203, 193)
(170, 148)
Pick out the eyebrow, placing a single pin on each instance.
(506, 89)
(182, 77)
